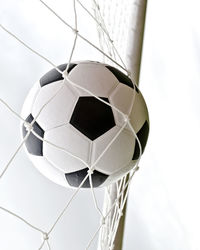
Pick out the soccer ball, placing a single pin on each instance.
(76, 121)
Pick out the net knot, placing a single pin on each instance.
(64, 74)
(75, 31)
(117, 202)
(103, 220)
(137, 168)
(126, 118)
(45, 236)
(120, 213)
(90, 171)
(28, 126)
(98, 7)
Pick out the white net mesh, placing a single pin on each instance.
(107, 15)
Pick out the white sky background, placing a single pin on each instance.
(164, 204)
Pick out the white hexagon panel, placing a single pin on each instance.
(122, 98)
(47, 169)
(117, 155)
(94, 77)
(71, 140)
(58, 110)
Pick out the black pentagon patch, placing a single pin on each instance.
(121, 77)
(33, 144)
(75, 178)
(53, 75)
(92, 117)
(142, 135)
(136, 88)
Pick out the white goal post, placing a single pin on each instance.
(133, 63)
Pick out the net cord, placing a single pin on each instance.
(82, 37)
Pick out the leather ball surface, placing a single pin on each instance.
(83, 125)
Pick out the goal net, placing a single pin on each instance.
(104, 29)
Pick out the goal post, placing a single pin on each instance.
(135, 42)
(133, 62)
